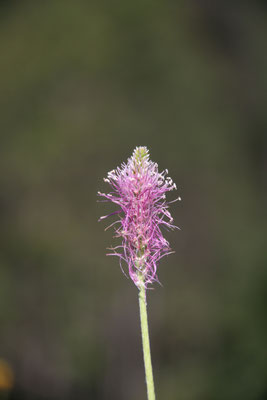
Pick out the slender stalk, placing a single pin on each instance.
(146, 344)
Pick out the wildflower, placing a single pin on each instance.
(139, 189)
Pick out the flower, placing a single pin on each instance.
(140, 192)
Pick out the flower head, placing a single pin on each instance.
(139, 190)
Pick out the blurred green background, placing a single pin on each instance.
(83, 83)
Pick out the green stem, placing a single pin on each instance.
(146, 345)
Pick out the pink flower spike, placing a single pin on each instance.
(140, 192)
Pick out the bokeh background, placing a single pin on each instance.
(83, 83)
